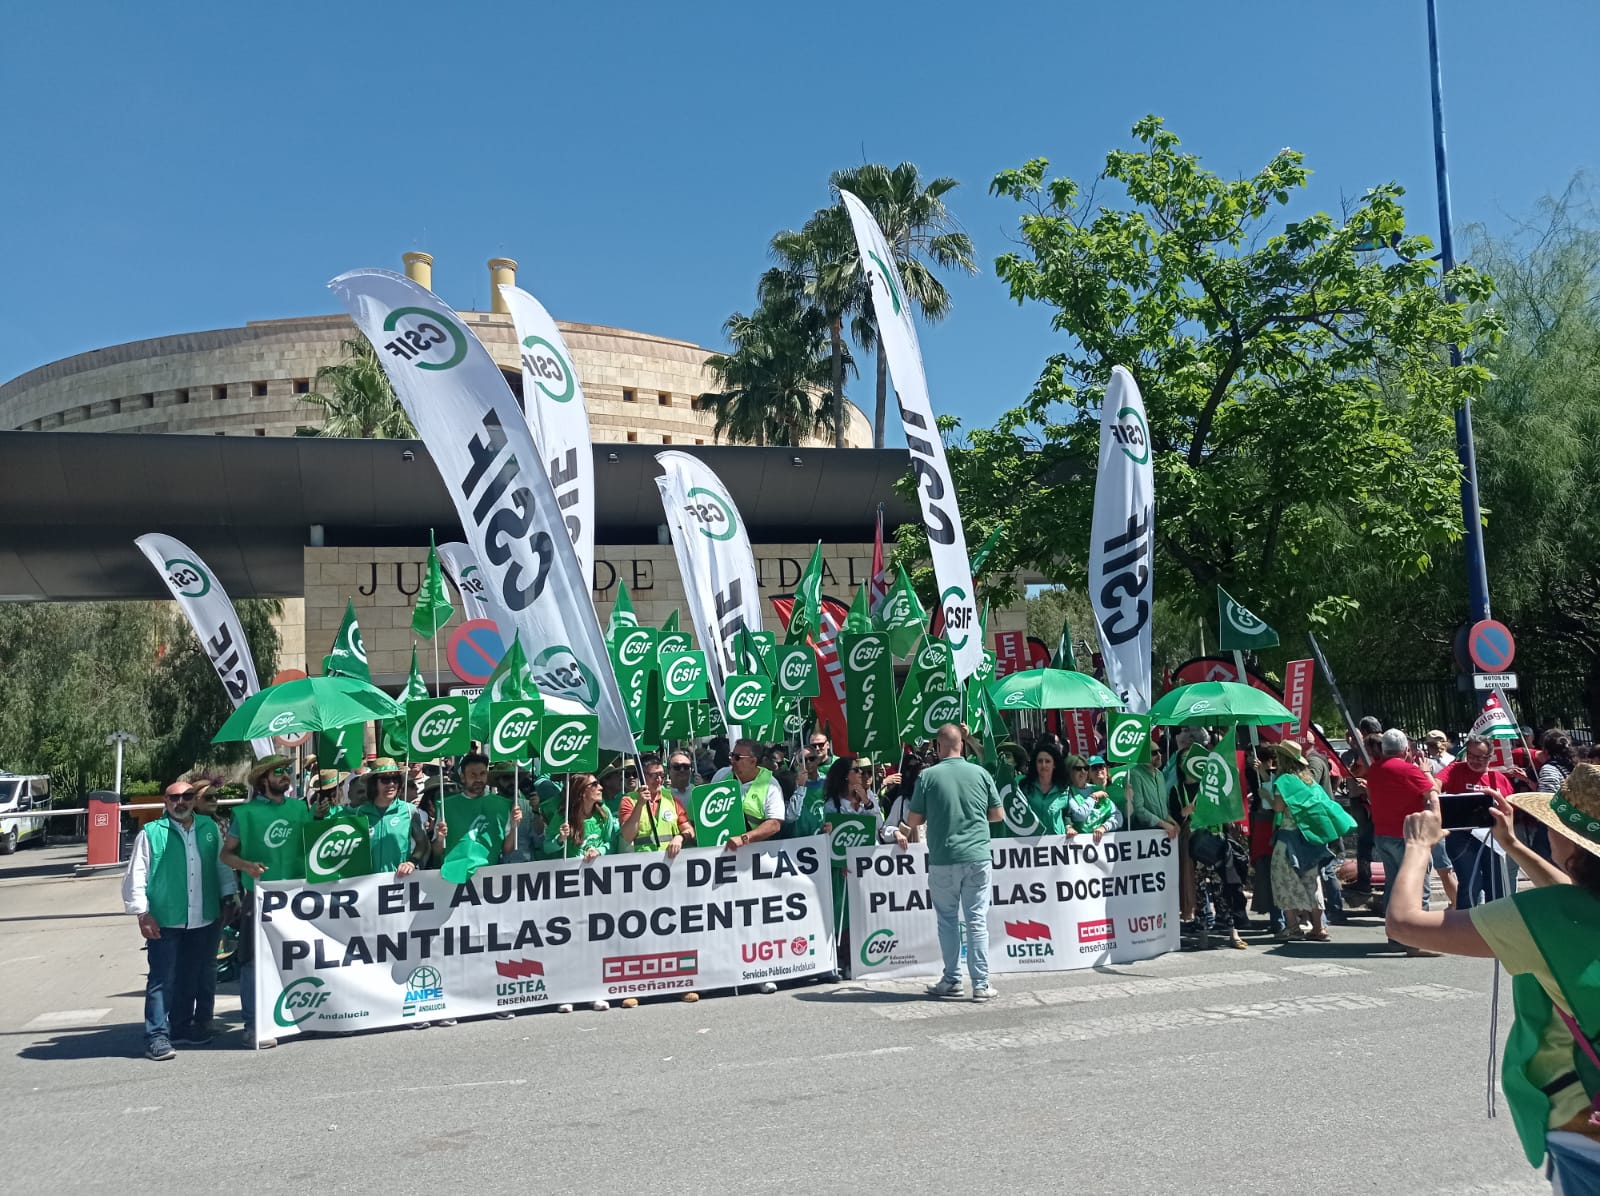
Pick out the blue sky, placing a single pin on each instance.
(180, 166)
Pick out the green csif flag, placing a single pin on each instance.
(622, 616)
(433, 609)
(717, 812)
(341, 747)
(348, 656)
(1221, 796)
(1064, 657)
(929, 692)
(396, 731)
(1238, 629)
(806, 616)
(471, 852)
(869, 700)
(509, 682)
(984, 549)
(338, 847)
(900, 615)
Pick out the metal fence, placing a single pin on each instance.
(1451, 704)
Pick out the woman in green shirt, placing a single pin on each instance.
(587, 829)
(1044, 788)
(1089, 810)
(1548, 938)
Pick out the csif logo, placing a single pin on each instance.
(469, 582)
(865, 653)
(796, 669)
(877, 947)
(277, 833)
(427, 339)
(1126, 739)
(1242, 620)
(896, 609)
(333, 849)
(1132, 435)
(1018, 814)
(512, 733)
(188, 580)
(1015, 698)
(558, 668)
(354, 644)
(745, 700)
(634, 648)
(945, 708)
(433, 729)
(544, 363)
(712, 512)
(847, 835)
(682, 675)
(933, 656)
(299, 1000)
(281, 722)
(889, 279)
(958, 616)
(567, 743)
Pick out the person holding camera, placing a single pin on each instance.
(1548, 938)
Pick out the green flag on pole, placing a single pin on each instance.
(984, 549)
(1064, 657)
(348, 656)
(1238, 629)
(900, 615)
(806, 615)
(433, 608)
(396, 730)
(622, 616)
(859, 619)
(1221, 797)
(716, 811)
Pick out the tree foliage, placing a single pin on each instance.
(1299, 395)
(356, 398)
(774, 380)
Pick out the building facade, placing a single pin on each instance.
(250, 381)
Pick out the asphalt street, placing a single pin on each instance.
(1337, 1068)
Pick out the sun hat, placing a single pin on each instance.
(1574, 811)
(1439, 735)
(329, 778)
(383, 766)
(1288, 747)
(265, 765)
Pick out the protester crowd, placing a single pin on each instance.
(1317, 839)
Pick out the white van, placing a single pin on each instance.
(18, 795)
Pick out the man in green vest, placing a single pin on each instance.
(495, 818)
(399, 842)
(762, 799)
(651, 819)
(1548, 938)
(175, 885)
(266, 839)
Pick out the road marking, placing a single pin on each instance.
(19, 959)
(66, 1019)
(1056, 1032)
(1115, 990)
(806, 1059)
(1433, 992)
(420, 1088)
(1325, 971)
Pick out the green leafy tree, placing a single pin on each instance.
(818, 265)
(918, 225)
(1299, 396)
(774, 380)
(356, 399)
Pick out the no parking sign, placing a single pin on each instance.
(474, 648)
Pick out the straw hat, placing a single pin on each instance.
(383, 766)
(1573, 812)
(329, 778)
(265, 765)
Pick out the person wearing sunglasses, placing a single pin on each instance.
(651, 819)
(175, 886)
(266, 838)
(680, 778)
(760, 793)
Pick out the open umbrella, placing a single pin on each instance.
(1052, 689)
(308, 704)
(1220, 704)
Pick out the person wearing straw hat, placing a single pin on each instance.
(1548, 938)
(399, 839)
(175, 885)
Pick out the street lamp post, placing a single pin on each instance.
(1466, 453)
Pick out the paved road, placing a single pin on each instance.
(1283, 1069)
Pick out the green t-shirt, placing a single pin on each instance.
(272, 833)
(1047, 807)
(955, 796)
(391, 833)
(600, 831)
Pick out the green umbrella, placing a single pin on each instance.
(308, 704)
(1220, 704)
(1052, 689)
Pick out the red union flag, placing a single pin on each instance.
(829, 703)
(1297, 676)
(1011, 652)
(1080, 729)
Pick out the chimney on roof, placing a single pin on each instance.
(419, 268)
(502, 271)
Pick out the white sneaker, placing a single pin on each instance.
(985, 993)
(563, 1008)
(767, 986)
(945, 988)
(600, 1006)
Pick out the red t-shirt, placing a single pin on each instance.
(1459, 778)
(1395, 787)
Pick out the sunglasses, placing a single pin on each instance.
(680, 767)
(861, 770)
(282, 770)
(741, 756)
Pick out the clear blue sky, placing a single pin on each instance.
(179, 166)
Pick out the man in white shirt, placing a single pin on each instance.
(175, 885)
(1436, 755)
(680, 777)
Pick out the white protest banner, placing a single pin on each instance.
(210, 612)
(476, 601)
(1122, 542)
(941, 517)
(376, 951)
(716, 564)
(560, 418)
(466, 414)
(1056, 905)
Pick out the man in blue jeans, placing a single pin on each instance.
(957, 800)
(175, 886)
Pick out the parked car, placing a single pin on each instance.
(18, 795)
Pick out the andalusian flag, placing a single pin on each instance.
(433, 609)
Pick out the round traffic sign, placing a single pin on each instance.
(1491, 646)
(288, 742)
(474, 648)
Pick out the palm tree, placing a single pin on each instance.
(818, 264)
(356, 398)
(773, 379)
(923, 234)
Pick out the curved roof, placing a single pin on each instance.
(74, 501)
